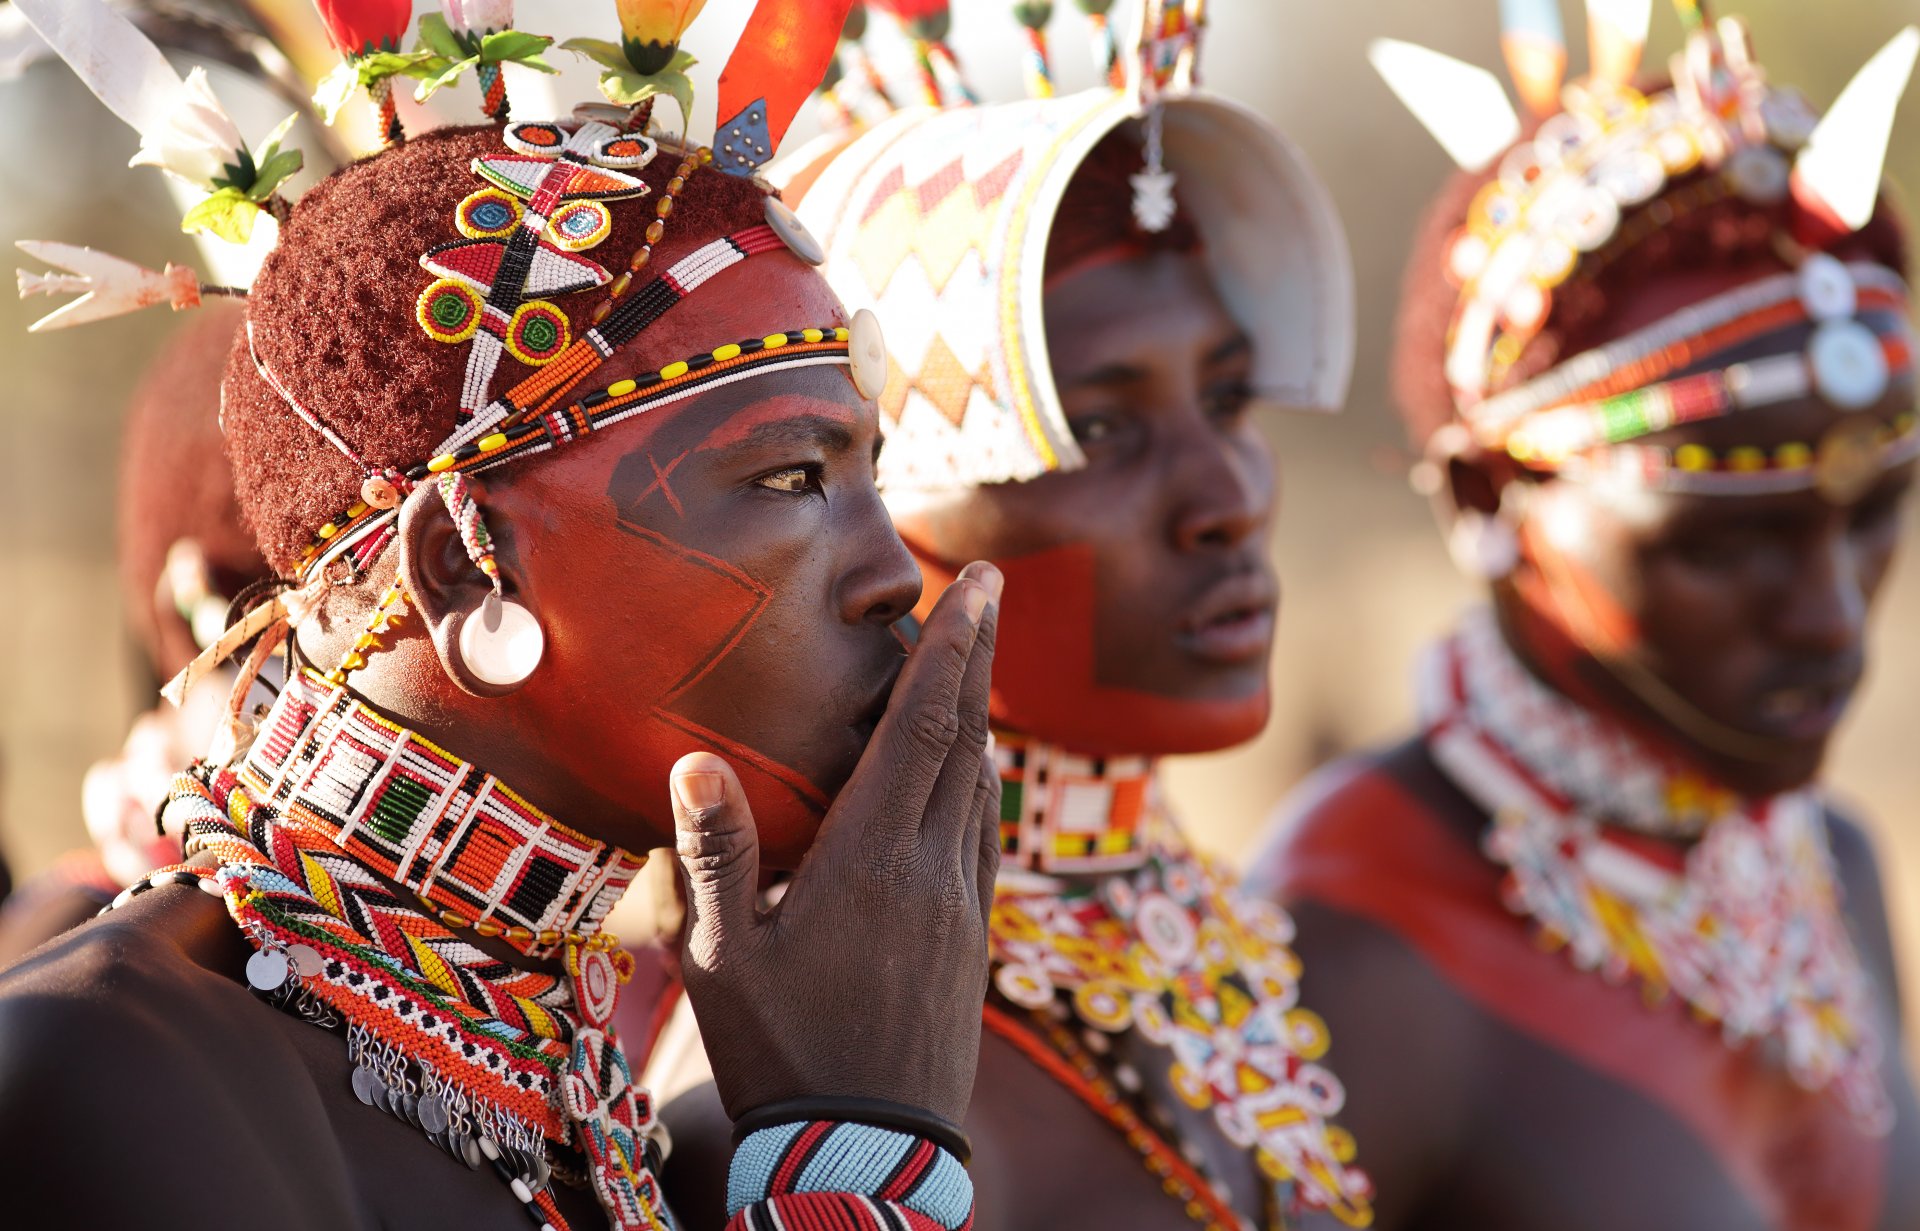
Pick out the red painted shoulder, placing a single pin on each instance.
(1391, 840)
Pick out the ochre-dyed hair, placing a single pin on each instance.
(1096, 211)
(332, 314)
(174, 483)
(1730, 232)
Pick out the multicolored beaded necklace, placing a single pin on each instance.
(1743, 924)
(1146, 936)
(493, 1063)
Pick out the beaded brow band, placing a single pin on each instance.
(623, 399)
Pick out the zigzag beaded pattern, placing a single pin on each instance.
(418, 815)
(495, 1062)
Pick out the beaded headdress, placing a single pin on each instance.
(517, 245)
(939, 217)
(1608, 166)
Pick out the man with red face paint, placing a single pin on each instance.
(577, 563)
(1599, 951)
(1148, 1062)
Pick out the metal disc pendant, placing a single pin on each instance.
(470, 1151)
(367, 1087)
(306, 960)
(267, 970)
(433, 1114)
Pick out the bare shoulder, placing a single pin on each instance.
(1324, 807)
(118, 1043)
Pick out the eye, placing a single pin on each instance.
(1091, 429)
(796, 480)
(1229, 401)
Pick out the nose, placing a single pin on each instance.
(1223, 487)
(881, 582)
(1824, 611)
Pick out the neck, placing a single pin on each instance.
(470, 846)
(1068, 814)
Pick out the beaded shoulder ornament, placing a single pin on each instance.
(1610, 166)
(1744, 926)
(1130, 930)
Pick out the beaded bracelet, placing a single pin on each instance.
(879, 1113)
(781, 1164)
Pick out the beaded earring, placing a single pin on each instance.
(501, 644)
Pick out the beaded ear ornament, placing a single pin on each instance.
(1595, 180)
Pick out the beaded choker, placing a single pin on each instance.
(418, 815)
(1169, 949)
(1744, 925)
(1062, 813)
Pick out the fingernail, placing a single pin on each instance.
(698, 792)
(993, 746)
(994, 580)
(976, 600)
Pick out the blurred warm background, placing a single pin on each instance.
(1367, 581)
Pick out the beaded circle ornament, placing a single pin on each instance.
(1162, 945)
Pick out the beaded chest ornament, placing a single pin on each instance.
(1744, 926)
(1610, 167)
(1160, 943)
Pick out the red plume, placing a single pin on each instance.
(359, 26)
(781, 57)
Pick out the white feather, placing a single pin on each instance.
(1843, 160)
(1464, 107)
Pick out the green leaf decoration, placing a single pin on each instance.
(601, 52)
(512, 46)
(271, 145)
(335, 89)
(631, 87)
(228, 214)
(438, 37)
(273, 171)
(445, 77)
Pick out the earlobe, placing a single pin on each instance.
(488, 644)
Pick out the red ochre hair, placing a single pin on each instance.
(1095, 219)
(333, 317)
(174, 483)
(1727, 233)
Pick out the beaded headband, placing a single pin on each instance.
(940, 217)
(1570, 199)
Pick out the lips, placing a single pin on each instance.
(1232, 621)
(1804, 712)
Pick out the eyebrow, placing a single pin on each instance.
(830, 434)
(1123, 373)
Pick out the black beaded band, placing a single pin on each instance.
(880, 1113)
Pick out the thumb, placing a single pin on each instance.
(718, 849)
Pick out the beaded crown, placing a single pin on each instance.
(939, 217)
(1607, 166)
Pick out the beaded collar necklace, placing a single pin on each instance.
(413, 812)
(1161, 944)
(490, 1062)
(1744, 925)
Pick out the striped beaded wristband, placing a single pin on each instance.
(784, 1163)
